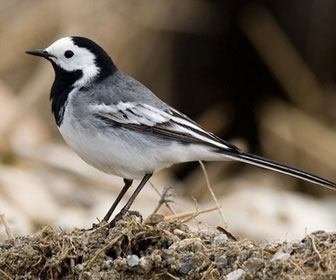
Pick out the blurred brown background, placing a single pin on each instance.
(258, 73)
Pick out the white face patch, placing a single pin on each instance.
(82, 59)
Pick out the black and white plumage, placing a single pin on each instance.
(119, 126)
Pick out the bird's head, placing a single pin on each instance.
(77, 55)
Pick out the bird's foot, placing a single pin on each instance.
(135, 213)
(99, 224)
(121, 214)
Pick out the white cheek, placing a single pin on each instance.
(68, 65)
(89, 73)
(86, 65)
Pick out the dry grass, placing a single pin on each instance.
(164, 250)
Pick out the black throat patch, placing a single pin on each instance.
(60, 90)
(64, 80)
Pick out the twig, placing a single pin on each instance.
(172, 276)
(196, 212)
(213, 194)
(212, 277)
(196, 204)
(207, 271)
(314, 247)
(296, 265)
(188, 214)
(107, 246)
(8, 230)
(6, 275)
(162, 199)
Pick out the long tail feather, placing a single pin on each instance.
(275, 166)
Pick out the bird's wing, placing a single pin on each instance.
(168, 123)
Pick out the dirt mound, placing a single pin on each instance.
(156, 249)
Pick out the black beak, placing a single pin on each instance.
(42, 53)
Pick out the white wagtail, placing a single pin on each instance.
(119, 126)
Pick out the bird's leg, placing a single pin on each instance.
(130, 201)
(127, 185)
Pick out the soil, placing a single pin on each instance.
(157, 249)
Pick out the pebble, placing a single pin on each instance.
(280, 256)
(133, 260)
(107, 264)
(194, 243)
(171, 250)
(6, 246)
(179, 232)
(222, 261)
(238, 274)
(146, 264)
(79, 267)
(156, 257)
(185, 268)
(253, 264)
(219, 239)
(154, 219)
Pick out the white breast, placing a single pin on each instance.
(108, 151)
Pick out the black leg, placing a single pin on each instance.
(127, 185)
(131, 200)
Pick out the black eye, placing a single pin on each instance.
(68, 54)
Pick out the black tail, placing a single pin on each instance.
(275, 166)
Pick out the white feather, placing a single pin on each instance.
(145, 114)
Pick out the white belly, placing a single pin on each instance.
(108, 154)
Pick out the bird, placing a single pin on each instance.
(119, 126)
